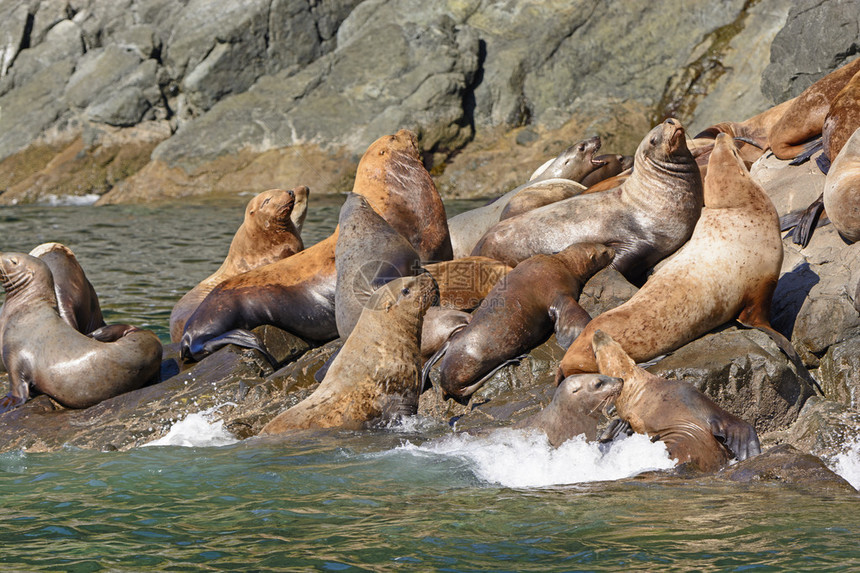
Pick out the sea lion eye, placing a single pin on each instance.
(405, 292)
(266, 202)
(654, 140)
(581, 148)
(13, 260)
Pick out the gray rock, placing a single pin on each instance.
(99, 71)
(839, 373)
(787, 465)
(818, 37)
(790, 187)
(13, 29)
(744, 372)
(824, 428)
(604, 291)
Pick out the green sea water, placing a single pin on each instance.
(415, 498)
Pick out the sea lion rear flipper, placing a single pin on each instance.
(570, 319)
(807, 223)
(809, 150)
(739, 437)
(244, 338)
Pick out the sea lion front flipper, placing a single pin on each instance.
(239, 337)
(569, 318)
(112, 332)
(807, 223)
(10, 402)
(737, 435)
(809, 150)
(320, 374)
(823, 163)
(614, 429)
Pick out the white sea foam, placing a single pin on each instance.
(71, 200)
(197, 430)
(514, 458)
(847, 464)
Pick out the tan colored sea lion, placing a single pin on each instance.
(842, 189)
(375, 378)
(647, 218)
(464, 283)
(539, 295)
(727, 270)
(843, 118)
(804, 119)
(695, 430)
(43, 352)
(297, 293)
(612, 166)
(538, 195)
(270, 232)
(577, 407)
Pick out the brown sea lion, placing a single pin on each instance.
(842, 190)
(804, 119)
(695, 430)
(268, 233)
(612, 166)
(376, 376)
(369, 253)
(843, 118)
(297, 294)
(44, 353)
(439, 324)
(727, 270)
(577, 407)
(538, 195)
(647, 218)
(755, 130)
(577, 162)
(464, 283)
(540, 294)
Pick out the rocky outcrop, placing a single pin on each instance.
(247, 96)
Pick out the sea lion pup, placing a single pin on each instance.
(297, 293)
(577, 407)
(464, 283)
(520, 312)
(376, 376)
(369, 253)
(804, 119)
(43, 352)
(648, 217)
(842, 190)
(612, 166)
(727, 270)
(556, 175)
(270, 232)
(695, 430)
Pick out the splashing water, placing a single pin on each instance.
(197, 430)
(71, 200)
(847, 464)
(515, 458)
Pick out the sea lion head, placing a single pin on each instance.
(587, 395)
(585, 259)
(271, 209)
(664, 144)
(575, 162)
(24, 273)
(414, 293)
(611, 357)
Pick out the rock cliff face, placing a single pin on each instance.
(133, 100)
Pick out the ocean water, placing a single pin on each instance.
(416, 496)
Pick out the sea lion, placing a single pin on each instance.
(842, 190)
(369, 253)
(43, 352)
(755, 131)
(376, 375)
(464, 283)
(695, 430)
(439, 324)
(578, 161)
(297, 294)
(268, 233)
(647, 218)
(538, 195)
(612, 166)
(804, 119)
(576, 408)
(727, 270)
(843, 118)
(519, 314)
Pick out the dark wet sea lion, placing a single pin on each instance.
(804, 119)
(464, 283)
(297, 293)
(375, 378)
(574, 163)
(728, 270)
(695, 430)
(268, 233)
(44, 353)
(648, 217)
(439, 324)
(842, 190)
(519, 314)
(576, 408)
(369, 253)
